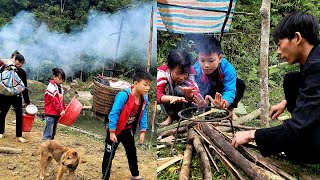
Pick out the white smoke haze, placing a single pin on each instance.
(98, 38)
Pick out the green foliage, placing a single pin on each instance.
(59, 15)
(165, 43)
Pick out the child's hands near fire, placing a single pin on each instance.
(113, 137)
(175, 99)
(172, 99)
(142, 134)
(188, 91)
(217, 101)
(200, 102)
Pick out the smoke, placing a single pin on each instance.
(97, 39)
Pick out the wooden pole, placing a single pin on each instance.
(192, 135)
(153, 116)
(185, 168)
(150, 41)
(169, 163)
(117, 47)
(10, 150)
(264, 52)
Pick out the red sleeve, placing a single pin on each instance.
(161, 82)
(160, 90)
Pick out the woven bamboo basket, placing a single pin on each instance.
(103, 95)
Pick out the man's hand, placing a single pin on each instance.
(175, 99)
(277, 109)
(113, 137)
(217, 101)
(142, 134)
(242, 137)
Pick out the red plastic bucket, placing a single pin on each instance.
(27, 122)
(72, 111)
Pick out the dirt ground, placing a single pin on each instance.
(25, 166)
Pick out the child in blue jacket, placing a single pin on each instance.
(216, 77)
(129, 109)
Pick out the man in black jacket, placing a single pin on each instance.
(15, 101)
(297, 37)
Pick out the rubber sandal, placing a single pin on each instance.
(132, 178)
(21, 139)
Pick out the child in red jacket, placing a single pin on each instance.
(54, 105)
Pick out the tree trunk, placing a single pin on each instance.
(252, 170)
(264, 52)
(207, 174)
(185, 168)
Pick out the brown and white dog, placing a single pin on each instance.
(67, 159)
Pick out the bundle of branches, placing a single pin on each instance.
(241, 163)
(211, 144)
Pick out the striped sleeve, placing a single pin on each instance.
(162, 81)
